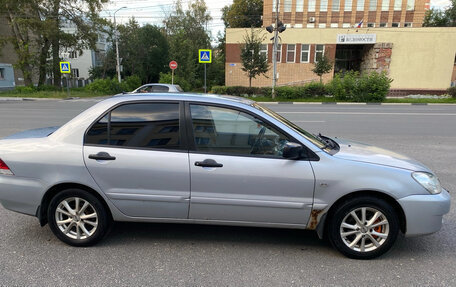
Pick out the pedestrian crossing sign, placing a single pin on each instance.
(65, 67)
(205, 56)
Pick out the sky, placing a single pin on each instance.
(154, 11)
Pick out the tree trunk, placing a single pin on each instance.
(55, 41)
(250, 82)
(43, 62)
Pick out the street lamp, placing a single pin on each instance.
(117, 46)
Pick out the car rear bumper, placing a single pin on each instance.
(21, 194)
(424, 213)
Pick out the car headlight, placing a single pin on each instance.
(429, 181)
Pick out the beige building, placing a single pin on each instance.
(419, 60)
(346, 13)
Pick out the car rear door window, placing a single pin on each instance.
(230, 131)
(141, 125)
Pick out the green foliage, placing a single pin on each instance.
(352, 87)
(253, 63)
(144, 51)
(243, 14)
(167, 79)
(24, 90)
(112, 86)
(240, 91)
(186, 33)
(322, 66)
(452, 92)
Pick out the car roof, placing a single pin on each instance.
(210, 98)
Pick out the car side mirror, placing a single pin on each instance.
(292, 150)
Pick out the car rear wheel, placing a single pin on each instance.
(78, 218)
(364, 228)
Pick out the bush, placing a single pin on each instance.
(48, 88)
(112, 86)
(24, 90)
(452, 92)
(183, 83)
(219, 90)
(371, 87)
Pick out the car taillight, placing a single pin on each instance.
(4, 169)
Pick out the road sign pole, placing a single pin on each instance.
(205, 78)
(68, 85)
(172, 77)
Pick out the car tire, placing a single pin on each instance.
(78, 218)
(365, 236)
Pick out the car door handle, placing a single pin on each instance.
(102, 156)
(208, 163)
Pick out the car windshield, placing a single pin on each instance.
(315, 140)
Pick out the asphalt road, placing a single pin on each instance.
(194, 255)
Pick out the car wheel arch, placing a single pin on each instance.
(54, 190)
(327, 217)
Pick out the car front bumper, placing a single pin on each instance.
(424, 213)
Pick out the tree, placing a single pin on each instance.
(37, 28)
(243, 14)
(322, 66)
(439, 18)
(253, 62)
(186, 33)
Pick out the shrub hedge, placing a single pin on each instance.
(112, 86)
(452, 92)
(352, 86)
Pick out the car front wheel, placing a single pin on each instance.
(78, 218)
(364, 228)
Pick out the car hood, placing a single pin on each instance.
(34, 133)
(356, 151)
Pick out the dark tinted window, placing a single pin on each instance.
(153, 125)
(222, 130)
(160, 89)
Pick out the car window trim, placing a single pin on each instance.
(311, 156)
(182, 126)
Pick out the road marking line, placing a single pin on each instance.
(309, 121)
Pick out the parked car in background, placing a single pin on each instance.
(159, 88)
(207, 159)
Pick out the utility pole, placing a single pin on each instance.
(274, 49)
(117, 46)
(278, 28)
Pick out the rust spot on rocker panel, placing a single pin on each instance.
(315, 216)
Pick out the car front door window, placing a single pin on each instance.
(229, 131)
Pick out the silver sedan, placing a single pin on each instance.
(206, 159)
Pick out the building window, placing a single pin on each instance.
(397, 5)
(291, 51)
(410, 5)
(372, 5)
(279, 53)
(324, 5)
(287, 6)
(371, 25)
(310, 25)
(311, 6)
(395, 25)
(348, 5)
(299, 5)
(319, 52)
(73, 55)
(334, 25)
(408, 24)
(322, 25)
(264, 50)
(360, 5)
(345, 25)
(2, 73)
(336, 5)
(385, 5)
(305, 53)
(75, 73)
(383, 25)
